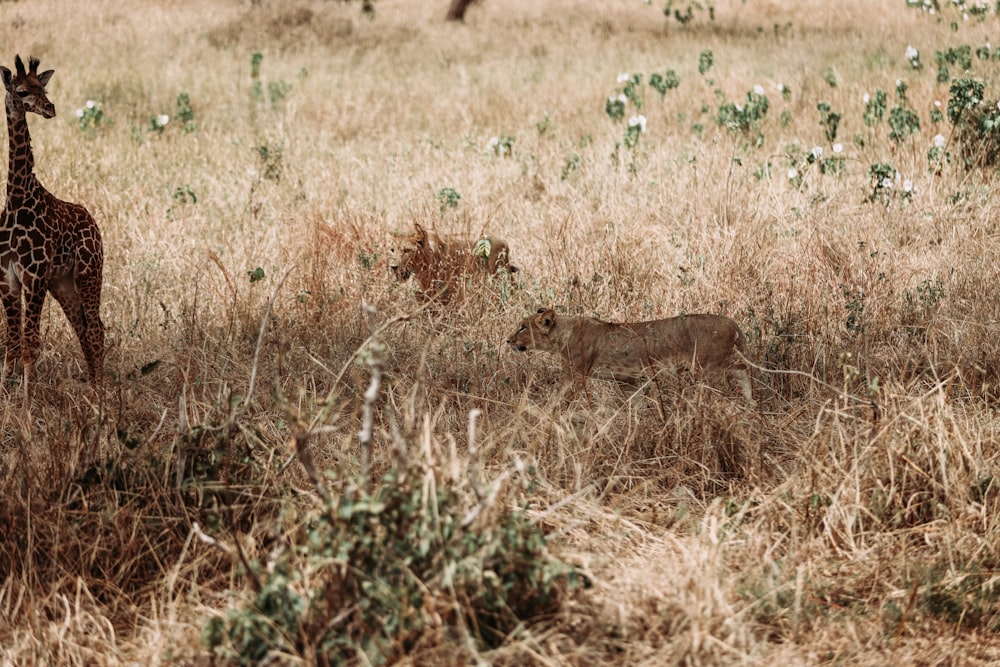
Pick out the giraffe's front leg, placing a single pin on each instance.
(34, 299)
(11, 297)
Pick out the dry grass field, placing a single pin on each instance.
(297, 460)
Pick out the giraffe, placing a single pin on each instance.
(46, 244)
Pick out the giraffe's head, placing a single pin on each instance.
(27, 89)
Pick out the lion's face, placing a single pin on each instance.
(403, 262)
(533, 333)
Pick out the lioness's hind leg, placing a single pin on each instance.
(742, 377)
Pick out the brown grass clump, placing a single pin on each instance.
(975, 137)
(295, 26)
(296, 461)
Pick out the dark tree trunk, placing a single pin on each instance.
(457, 10)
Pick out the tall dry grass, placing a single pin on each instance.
(850, 520)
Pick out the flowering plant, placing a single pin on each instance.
(91, 116)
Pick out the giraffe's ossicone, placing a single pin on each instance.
(46, 244)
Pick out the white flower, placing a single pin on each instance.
(939, 140)
(621, 98)
(739, 107)
(998, 106)
(91, 104)
(838, 148)
(781, 87)
(792, 173)
(907, 185)
(817, 152)
(758, 89)
(163, 119)
(912, 54)
(623, 77)
(886, 183)
(494, 145)
(79, 113)
(638, 121)
(866, 98)
(937, 103)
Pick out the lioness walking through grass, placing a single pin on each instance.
(633, 352)
(439, 264)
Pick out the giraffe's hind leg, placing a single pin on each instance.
(90, 297)
(82, 316)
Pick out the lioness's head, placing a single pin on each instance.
(534, 331)
(402, 261)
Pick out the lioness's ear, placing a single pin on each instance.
(421, 234)
(545, 319)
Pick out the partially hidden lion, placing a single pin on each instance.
(438, 263)
(632, 352)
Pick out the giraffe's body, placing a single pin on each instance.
(46, 244)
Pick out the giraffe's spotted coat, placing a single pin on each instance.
(46, 244)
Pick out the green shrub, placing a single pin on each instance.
(374, 574)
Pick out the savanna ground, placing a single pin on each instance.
(851, 520)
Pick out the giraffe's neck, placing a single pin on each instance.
(21, 164)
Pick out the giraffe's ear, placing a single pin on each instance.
(7, 76)
(44, 77)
